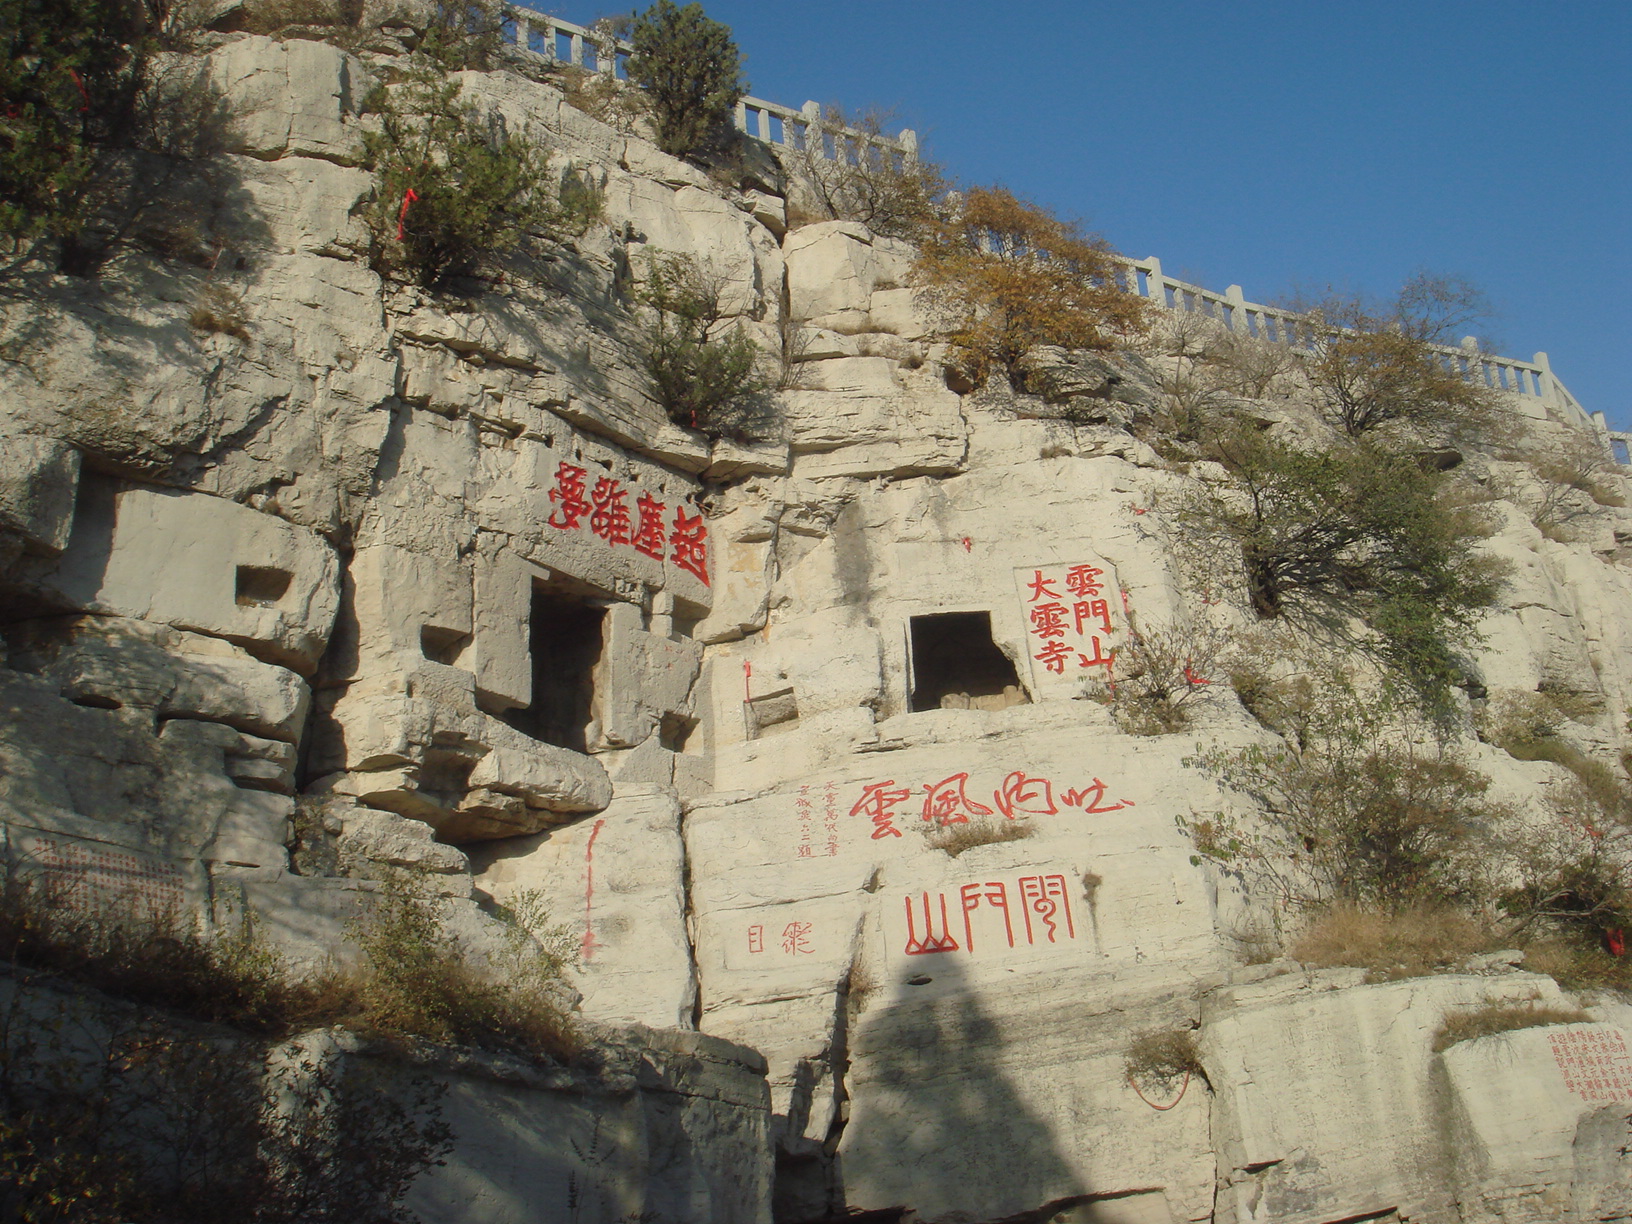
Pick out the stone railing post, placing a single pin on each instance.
(1155, 288)
(1549, 385)
(1237, 302)
(812, 112)
(909, 145)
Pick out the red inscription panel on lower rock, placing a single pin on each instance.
(1595, 1063)
(87, 877)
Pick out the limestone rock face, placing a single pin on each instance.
(802, 751)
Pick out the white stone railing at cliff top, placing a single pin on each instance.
(1534, 379)
(561, 42)
(553, 40)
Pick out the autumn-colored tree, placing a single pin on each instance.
(1377, 365)
(1008, 275)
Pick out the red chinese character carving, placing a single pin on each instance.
(1045, 896)
(1097, 610)
(1048, 620)
(803, 850)
(878, 801)
(1100, 659)
(946, 803)
(689, 539)
(996, 896)
(610, 518)
(1053, 656)
(649, 537)
(1040, 587)
(756, 938)
(796, 939)
(930, 943)
(1090, 797)
(568, 495)
(1025, 796)
(1081, 581)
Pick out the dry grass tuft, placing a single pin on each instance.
(1496, 1016)
(957, 838)
(1577, 965)
(220, 311)
(1408, 943)
(414, 982)
(1162, 1058)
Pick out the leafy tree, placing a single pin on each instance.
(691, 70)
(1008, 275)
(70, 73)
(704, 369)
(1380, 365)
(456, 188)
(1357, 531)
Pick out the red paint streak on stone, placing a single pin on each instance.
(590, 942)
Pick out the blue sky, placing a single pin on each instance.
(1276, 145)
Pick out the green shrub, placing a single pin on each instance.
(1359, 814)
(457, 190)
(703, 368)
(418, 981)
(691, 71)
(1358, 531)
(70, 72)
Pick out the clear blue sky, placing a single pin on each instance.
(1275, 145)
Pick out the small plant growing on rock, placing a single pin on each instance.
(1163, 1060)
(954, 839)
(219, 311)
(1411, 941)
(700, 364)
(1158, 676)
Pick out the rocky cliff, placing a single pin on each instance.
(345, 586)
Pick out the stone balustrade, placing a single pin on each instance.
(540, 36)
(1534, 379)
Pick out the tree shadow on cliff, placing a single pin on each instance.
(937, 1107)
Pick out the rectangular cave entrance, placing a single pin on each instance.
(565, 639)
(957, 666)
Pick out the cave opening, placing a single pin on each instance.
(566, 636)
(957, 665)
